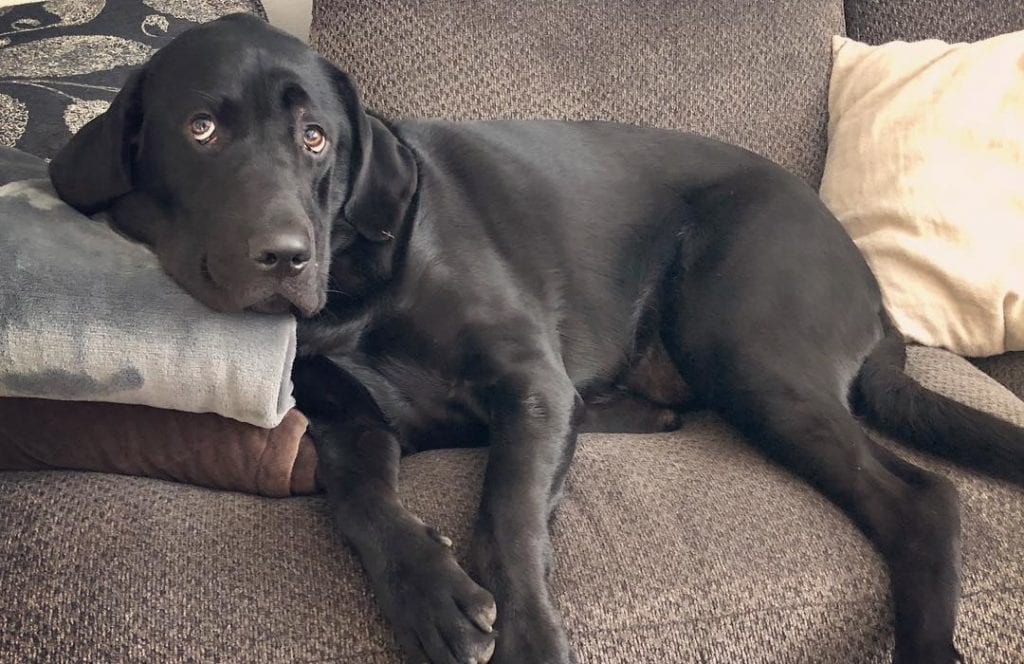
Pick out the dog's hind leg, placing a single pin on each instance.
(619, 411)
(910, 515)
(648, 398)
(770, 312)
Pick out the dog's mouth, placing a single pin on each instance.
(301, 300)
(275, 304)
(204, 270)
(298, 304)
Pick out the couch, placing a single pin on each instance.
(688, 546)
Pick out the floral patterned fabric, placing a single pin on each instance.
(62, 61)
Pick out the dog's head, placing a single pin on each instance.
(235, 153)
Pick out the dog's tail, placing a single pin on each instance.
(901, 407)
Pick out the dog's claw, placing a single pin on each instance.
(485, 621)
(435, 606)
(439, 538)
(486, 656)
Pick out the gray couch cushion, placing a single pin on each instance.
(751, 72)
(878, 21)
(680, 547)
(1007, 368)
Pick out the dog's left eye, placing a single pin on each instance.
(313, 138)
(203, 129)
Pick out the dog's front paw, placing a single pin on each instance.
(532, 634)
(439, 614)
(939, 654)
(529, 626)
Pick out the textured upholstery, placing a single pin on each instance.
(752, 72)
(681, 547)
(878, 21)
(1007, 368)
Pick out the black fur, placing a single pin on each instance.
(513, 283)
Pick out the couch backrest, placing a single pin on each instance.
(878, 21)
(749, 71)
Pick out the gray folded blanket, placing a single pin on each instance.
(88, 315)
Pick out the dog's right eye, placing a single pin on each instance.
(203, 129)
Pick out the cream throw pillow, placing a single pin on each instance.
(925, 170)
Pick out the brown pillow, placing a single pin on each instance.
(197, 448)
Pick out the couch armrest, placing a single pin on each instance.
(1007, 368)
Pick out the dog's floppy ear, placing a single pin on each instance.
(382, 171)
(94, 167)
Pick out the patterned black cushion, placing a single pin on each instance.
(62, 61)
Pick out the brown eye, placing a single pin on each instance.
(314, 139)
(202, 128)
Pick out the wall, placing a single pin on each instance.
(290, 15)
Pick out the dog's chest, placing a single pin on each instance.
(424, 377)
(426, 358)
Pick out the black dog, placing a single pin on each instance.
(470, 282)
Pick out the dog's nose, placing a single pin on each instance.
(285, 254)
